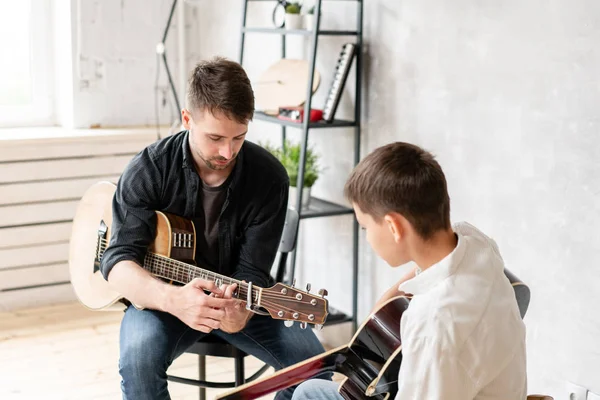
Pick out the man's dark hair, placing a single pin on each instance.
(220, 85)
(403, 178)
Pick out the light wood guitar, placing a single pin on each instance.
(170, 257)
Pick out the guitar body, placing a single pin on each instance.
(175, 238)
(377, 346)
(370, 362)
(91, 288)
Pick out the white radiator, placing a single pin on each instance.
(41, 182)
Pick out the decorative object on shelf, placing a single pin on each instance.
(296, 114)
(342, 68)
(309, 19)
(293, 18)
(278, 16)
(283, 84)
(289, 156)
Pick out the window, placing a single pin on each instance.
(26, 63)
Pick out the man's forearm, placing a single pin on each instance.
(139, 286)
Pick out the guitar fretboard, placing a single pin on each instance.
(178, 271)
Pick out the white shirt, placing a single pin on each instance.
(462, 335)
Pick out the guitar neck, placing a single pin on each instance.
(178, 271)
(329, 361)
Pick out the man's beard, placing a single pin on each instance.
(218, 167)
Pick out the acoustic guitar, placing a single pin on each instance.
(370, 363)
(170, 257)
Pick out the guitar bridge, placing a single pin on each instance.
(99, 248)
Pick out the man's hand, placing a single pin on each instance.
(236, 315)
(197, 309)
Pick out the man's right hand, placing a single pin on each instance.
(197, 309)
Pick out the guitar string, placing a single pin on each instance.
(209, 274)
(185, 270)
(176, 264)
(264, 299)
(266, 303)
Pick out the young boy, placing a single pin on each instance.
(462, 335)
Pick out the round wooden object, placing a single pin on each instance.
(283, 84)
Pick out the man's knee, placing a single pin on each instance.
(143, 353)
(143, 345)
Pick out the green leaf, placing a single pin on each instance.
(293, 8)
(289, 156)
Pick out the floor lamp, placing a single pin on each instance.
(161, 51)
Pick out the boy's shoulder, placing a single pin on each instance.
(475, 235)
(453, 307)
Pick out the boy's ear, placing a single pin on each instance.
(394, 221)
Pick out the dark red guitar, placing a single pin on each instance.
(370, 362)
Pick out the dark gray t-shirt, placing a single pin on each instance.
(211, 199)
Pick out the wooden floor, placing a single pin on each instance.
(68, 352)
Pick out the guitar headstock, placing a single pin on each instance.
(292, 304)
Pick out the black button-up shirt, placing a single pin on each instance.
(162, 177)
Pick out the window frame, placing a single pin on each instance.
(41, 111)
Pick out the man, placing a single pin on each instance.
(236, 193)
(462, 334)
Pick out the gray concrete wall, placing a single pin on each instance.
(505, 94)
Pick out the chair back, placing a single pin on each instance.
(290, 231)
(287, 244)
(522, 292)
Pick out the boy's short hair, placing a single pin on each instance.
(221, 85)
(403, 178)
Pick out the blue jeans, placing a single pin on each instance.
(150, 341)
(317, 389)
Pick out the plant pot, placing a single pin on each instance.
(293, 197)
(309, 21)
(293, 21)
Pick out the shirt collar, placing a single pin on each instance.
(188, 160)
(425, 280)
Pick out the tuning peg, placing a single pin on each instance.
(294, 283)
(288, 323)
(318, 327)
(308, 287)
(323, 292)
(303, 325)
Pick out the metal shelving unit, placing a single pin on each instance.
(319, 208)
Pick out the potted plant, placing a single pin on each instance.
(293, 19)
(289, 156)
(309, 19)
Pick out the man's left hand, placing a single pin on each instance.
(236, 316)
